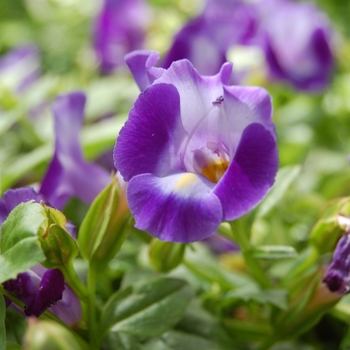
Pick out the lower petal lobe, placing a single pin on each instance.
(176, 208)
(250, 174)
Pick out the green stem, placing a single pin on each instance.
(91, 309)
(73, 281)
(240, 234)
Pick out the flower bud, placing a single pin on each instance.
(58, 245)
(106, 224)
(48, 335)
(165, 256)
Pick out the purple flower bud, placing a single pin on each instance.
(337, 277)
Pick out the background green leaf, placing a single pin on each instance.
(2, 323)
(149, 308)
(20, 249)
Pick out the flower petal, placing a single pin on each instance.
(250, 174)
(50, 291)
(13, 197)
(177, 208)
(152, 134)
(69, 175)
(141, 64)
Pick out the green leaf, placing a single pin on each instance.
(345, 344)
(274, 252)
(12, 346)
(20, 248)
(276, 297)
(149, 308)
(2, 323)
(284, 179)
(122, 341)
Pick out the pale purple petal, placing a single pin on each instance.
(251, 173)
(177, 208)
(69, 175)
(142, 66)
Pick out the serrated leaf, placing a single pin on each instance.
(274, 252)
(149, 308)
(284, 179)
(20, 248)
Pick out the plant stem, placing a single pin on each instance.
(73, 281)
(240, 234)
(91, 309)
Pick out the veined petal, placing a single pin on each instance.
(177, 208)
(250, 174)
(197, 93)
(151, 136)
(142, 66)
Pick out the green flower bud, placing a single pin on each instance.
(106, 224)
(58, 245)
(328, 230)
(48, 335)
(165, 256)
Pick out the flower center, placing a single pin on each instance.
(215, 169)
(213, 159)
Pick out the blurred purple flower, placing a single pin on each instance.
(20, 67)
(220, 245)
(337, 277)
(206, 39)
(69, 174)
(119, 28)
(195, 152)
(296, 39)
(40, 288)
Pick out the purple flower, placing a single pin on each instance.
(40, 288)
(38, 294)
(69, 174)
(195, 152)
(119, 29)
(20, 67)
(337, 277)
(206, 39)
(296, 40)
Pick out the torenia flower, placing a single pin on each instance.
(195, 151)
(206, 39)
(69, 174)
(297, 43)
(39, 288)
(119, 29)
